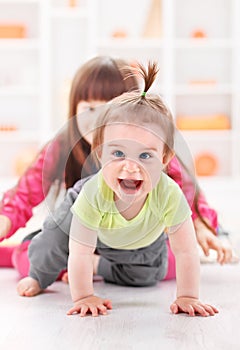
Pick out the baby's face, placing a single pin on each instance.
(132, 160)
(87, 112)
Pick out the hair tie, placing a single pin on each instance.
(143, 94)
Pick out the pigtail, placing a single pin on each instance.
(149, 75)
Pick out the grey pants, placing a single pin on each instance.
(139, 267)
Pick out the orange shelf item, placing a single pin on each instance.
(8, 127)
(206, 164)
(204, 122)
(72, 3)
(119, 33)
(198, 34)
(203, 82)
(12, 31)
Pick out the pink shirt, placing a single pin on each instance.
(183, 179)
(17, 203)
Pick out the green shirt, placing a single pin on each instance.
(164, 207)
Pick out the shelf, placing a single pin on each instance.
(69, 13)
(19, 44)
(203, 89)
(61, 38)
(18, 137)
(205, 135)
(131, 43)
(217, 183)
(189, 43)
(22, 2)
(8, 91)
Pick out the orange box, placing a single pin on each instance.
(199, 33)
(12, 31)
(204, 122)
(206, 164)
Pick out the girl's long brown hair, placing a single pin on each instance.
(102, 78)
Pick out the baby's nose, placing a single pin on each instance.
(131, 167)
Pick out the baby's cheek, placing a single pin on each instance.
(153, 174)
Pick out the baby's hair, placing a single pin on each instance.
(136, 108)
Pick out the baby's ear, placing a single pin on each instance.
(168, 156)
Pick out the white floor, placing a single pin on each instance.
(140, 318)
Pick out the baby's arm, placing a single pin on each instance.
(184, 246)
(80, 274)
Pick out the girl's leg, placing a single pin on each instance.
(20, 258)
(171, 272)
(6, 256)
(21, 262)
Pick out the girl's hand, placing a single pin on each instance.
(91, 304)
(5, 225)
(193, 307)
(207, 240)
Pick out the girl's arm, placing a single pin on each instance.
(17, 203)
(184, 246)
(80, 273)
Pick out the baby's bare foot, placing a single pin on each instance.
(28, 287)
(95, 268)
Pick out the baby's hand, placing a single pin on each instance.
(192, 307)
(5, 225)
(28, 287)
(92, 304)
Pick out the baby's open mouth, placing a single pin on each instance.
(130, 185)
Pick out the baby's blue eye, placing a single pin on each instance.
(119, 154)
(145, 155)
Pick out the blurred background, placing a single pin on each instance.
(197, 45)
